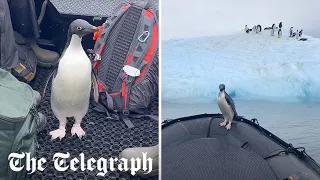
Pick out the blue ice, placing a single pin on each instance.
(252, 66)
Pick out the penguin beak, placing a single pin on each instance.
(94, 28)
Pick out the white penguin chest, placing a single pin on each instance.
(75, 64)
(224, 107)
(74, 72)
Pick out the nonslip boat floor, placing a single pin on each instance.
(104, 138)
(98, 8)
(201, 149)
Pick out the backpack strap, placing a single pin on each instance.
(105, 100)
(107, 28)
(144, 49)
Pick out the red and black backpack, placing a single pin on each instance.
(126, 60)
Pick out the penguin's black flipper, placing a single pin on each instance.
(95, 87)
(52, 74)
(231, 103)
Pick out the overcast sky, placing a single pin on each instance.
(194, 18)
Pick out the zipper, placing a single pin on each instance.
(32, 112)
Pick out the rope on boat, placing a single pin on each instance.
(43, 11)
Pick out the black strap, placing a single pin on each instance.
(152, 117)
(126, 120)
(100, 108)
(288, 150)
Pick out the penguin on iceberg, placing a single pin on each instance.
(259, 28)
(273, 29)
(227, 107)
(279, 33)
(246, 29)
(254, 28)
(72, 82)
(291, 32)
(300, 32)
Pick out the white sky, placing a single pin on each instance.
(194, 18)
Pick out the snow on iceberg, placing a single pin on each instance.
(252, 66)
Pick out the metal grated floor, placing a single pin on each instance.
(104, 138)
(99, 8)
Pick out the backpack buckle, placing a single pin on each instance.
(131, 71)
(125, 112)
(146, 34)
(97, 57)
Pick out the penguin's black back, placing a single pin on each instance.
(231, 103)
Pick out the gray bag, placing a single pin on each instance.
(18, 123)
(129, 38)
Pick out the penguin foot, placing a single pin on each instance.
(228, 127)
(57, 133)
(223, 123)
(76, 129)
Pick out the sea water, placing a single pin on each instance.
(276, 80)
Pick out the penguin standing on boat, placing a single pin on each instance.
(279, 33)
(227, 107)
(72, 82)
(291, 32)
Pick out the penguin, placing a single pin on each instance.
(246, 29)
(279, 33)
(273, 28)
(300, 32)
(297, 34)
(254, 28)
(280, 25)
(259, 28)
(291, 32)
(72, 82)
(227, 107)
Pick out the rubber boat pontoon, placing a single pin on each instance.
(196, 147)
